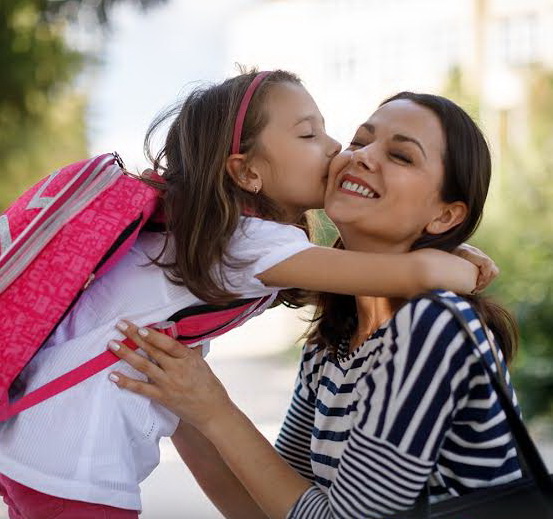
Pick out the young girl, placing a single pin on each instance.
(242, 162)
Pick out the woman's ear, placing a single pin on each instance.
(243, 175)
(451, 215)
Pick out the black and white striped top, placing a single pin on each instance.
(412, 403)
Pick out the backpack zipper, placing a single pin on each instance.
(119, 160)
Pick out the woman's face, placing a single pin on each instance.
(385, 186)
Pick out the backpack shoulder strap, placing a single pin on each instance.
(192, 326)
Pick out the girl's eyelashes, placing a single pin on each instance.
(310, 136)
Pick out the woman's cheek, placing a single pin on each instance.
(337, 164)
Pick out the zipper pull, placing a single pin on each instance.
(119, 160)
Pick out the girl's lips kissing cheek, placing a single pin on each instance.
(356, 186)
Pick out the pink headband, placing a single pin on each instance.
(237, 135)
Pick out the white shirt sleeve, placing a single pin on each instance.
(256, 246)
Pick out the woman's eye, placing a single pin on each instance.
(309, 136)
(355, 144)
(402, 158)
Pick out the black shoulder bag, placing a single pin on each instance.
(530, 497)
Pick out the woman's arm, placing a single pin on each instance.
(404, 275)
(182, 381)
(213, 475)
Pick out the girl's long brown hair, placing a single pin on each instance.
(467, 173)
(201, 202)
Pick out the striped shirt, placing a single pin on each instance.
(412, 404)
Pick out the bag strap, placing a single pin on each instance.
(223, 319)
(527, 451)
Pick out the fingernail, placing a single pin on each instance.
(113, 377)
(122, 325)
(112, 345)
(142, 332)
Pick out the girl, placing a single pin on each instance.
(390, 393)
(87, 449)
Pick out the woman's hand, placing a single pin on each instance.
(488, 270)
(178, 376)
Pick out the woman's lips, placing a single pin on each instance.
(355, 186)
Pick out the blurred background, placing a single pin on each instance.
(83, 77)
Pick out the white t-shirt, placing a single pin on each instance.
(95, 442)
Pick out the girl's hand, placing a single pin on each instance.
(438, 269)
(178, 376)
(488, 270)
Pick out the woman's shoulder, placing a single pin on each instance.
(312, 362)
(429, 323)
(436, 304)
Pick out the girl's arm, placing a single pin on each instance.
(325, 269)
(183, 382)
(213, 475)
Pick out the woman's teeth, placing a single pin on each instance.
(360, 190)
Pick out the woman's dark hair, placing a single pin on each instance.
(201, 202)
(467, 173)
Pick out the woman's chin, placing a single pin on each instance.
(340, 212)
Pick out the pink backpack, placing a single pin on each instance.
(64, 232)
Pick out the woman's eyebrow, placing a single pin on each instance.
(404, 138)
(397, 137)
(369, 127)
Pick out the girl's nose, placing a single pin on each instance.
(334, 147)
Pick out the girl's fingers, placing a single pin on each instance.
(136, 386)
(487, 274)
(138, 362)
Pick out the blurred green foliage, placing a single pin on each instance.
(517, 230)
(42, 114)
(41, 121)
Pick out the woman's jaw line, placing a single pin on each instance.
(355, 240)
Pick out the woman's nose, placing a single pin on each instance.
(365, 159)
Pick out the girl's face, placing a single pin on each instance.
(295, 151)
(385, 187)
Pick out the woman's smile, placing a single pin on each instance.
(355, 186)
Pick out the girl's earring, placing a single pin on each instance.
(256, 190)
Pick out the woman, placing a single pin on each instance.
(390, 393)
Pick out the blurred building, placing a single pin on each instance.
(353, 53)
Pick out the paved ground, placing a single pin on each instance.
(259, 377)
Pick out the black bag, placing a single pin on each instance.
(530, 497)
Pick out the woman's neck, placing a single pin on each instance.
(372, 312)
